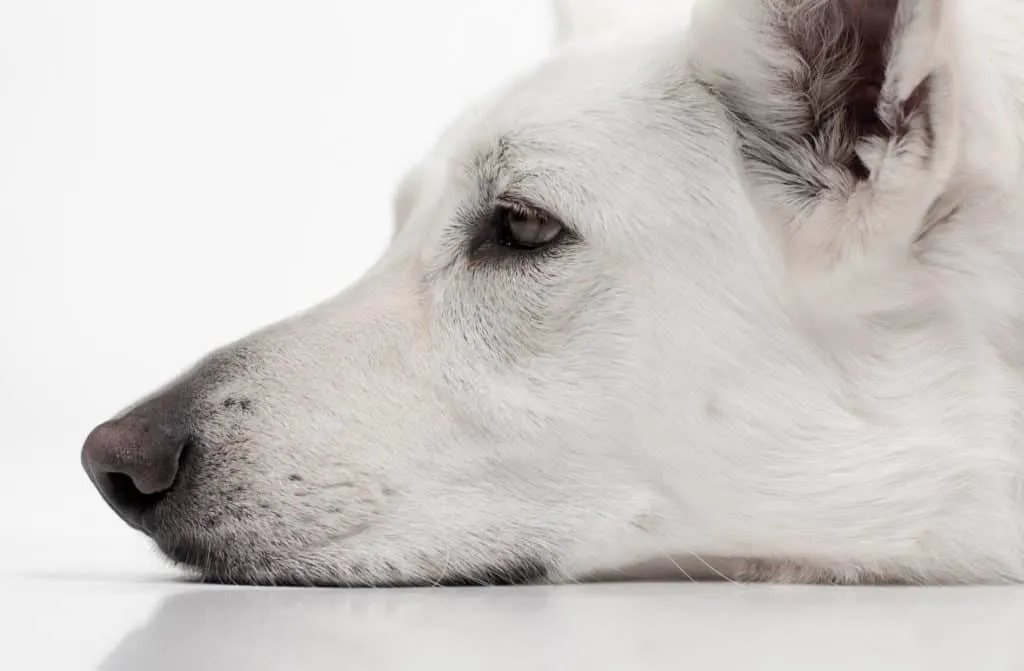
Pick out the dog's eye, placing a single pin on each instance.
(520, 228)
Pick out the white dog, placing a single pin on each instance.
(739, 294)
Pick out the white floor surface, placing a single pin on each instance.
(107, 602)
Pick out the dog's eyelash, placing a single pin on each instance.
(521, 209)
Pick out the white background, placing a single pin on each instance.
(176, 173)
(172, 176)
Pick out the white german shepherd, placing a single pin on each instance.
(737, 295)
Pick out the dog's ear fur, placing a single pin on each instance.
(848, 104)
(580, 19)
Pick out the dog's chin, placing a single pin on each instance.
(227, 561)
(222, 562)
(208, 560)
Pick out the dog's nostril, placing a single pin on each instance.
(124, 495)
(134, 461)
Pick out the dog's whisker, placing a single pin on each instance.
(677, 565)
(711, 568)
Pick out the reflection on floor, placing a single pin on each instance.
(132, 621)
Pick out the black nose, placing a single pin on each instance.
(134, 460)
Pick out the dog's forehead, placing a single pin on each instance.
(577, 98)
(562, 132)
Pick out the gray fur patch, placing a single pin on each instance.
(808, 132)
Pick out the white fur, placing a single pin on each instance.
(719, 377)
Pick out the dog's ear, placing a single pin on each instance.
(837, 100)
(580, 19)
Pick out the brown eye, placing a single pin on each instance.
(524, 229)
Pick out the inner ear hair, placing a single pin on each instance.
(831, 84)
(844, 47)
(844, 110)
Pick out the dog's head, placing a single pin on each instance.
(581, 351)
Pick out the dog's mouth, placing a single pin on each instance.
(228, 561)
(240, 558)
(194, 556)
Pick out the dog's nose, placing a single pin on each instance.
(134, 460)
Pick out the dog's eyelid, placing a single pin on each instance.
(523, 208)
(526, 208)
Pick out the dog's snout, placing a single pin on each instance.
(134, 460)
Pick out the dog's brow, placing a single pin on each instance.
(505, 170)
(487, 167)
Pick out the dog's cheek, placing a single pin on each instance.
(514, 310)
